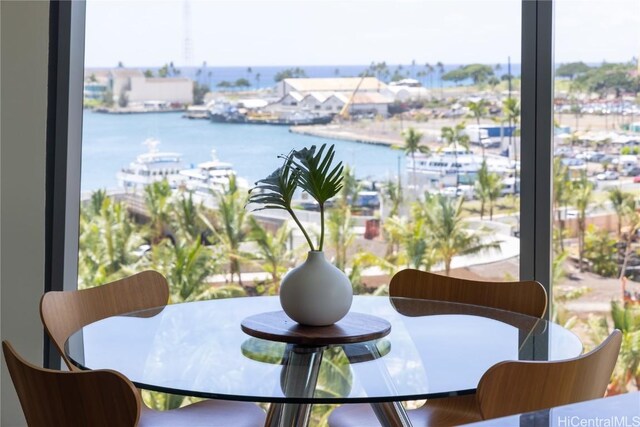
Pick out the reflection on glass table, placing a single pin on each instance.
(434, 349)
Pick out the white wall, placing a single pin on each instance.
(167, 89)
(24, 37)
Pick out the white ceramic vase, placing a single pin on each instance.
(316, 293)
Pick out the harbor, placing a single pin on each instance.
(370, 121)
(111, 142)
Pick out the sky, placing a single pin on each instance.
(347, 32)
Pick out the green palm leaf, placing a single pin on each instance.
(318, 176)
(276, 191)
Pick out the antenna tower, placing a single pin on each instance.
(188, 42)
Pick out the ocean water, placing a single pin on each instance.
(213, 75)
(111, 141)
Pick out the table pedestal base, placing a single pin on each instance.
(300, 376)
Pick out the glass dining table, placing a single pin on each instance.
(434, 349)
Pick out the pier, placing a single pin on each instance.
(340, 133)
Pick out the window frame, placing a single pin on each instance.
(64, 152)
(64, 146)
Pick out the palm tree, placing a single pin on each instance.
(108, 242)
(392, 192)
(561, 195)
(582, 195)
(186, 267)
(350, 186)
(273, 250)
(511, 110)
(411, 234)
(412, 146)
(632, 219)
(448, 232)
(96, 203)
(157, 201)
(621, 202)
(341, 235)
(440, 68)
(494, 191)
(185, 214)
(479, 110)
(230, 226)
(600, 249)
(626, 318)
(481, 187)
(394, 230)
(429, 72)
(454, 136)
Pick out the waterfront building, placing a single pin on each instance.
(138, 88)
(120, 80)
(331, 84)
(167, 89)
(334, 103)
(369, 103)
(399, 93)
(94, 90)
(314, 100)
(291, 99)
(403, 93)
(96, 83)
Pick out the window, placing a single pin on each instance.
(176, 124)
(595, 195)
(152, 80)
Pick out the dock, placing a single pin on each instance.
(338, 132)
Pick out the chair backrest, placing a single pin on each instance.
(513, 387)
(525, 297)
(70, 399)
(63, 313)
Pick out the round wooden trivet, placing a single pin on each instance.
(353, 328)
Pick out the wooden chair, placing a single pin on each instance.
(101, 398)
(63, 313)
(509, 388)
(525, 297)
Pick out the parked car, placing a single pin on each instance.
(608, 176)
(636, 179)
(563, 152)
(465, 191)
(634, 171)
(597, 157)
(605, 159)
(590, 156)
(574, 162)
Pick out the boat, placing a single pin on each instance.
(210, 176)
(150, 167)
(227, 113)
(444, 165)
(224, 112)
(196, 112)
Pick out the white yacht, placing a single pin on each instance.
(460, 161)
(151, 167)
(211, 175)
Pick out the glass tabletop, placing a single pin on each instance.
(434, 349)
